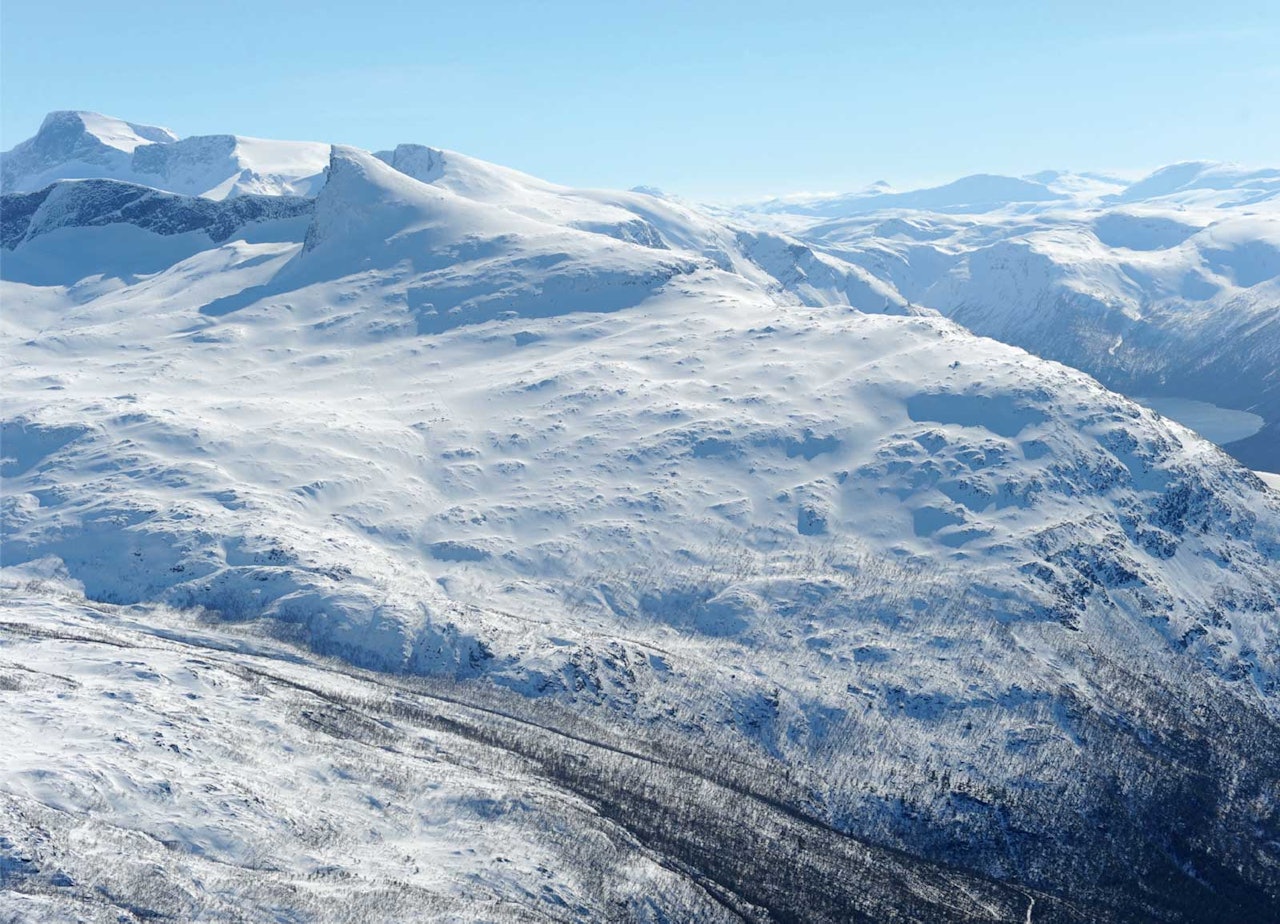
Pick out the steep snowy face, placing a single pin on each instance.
(94, 203)
(77, 145)
(818, 278)
(221, 166)
(452, 260)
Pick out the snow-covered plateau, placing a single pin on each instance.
(398, 536)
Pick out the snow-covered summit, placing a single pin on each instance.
(221, 166)
(63, 132)
(769, 258)
(459, 260)
(70, 145)
(76, 145)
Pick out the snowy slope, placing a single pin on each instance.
(768, 258)
(364, 797)
(940, 596)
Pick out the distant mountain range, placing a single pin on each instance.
(1167, 288)
(80, 145)
(1191, 183)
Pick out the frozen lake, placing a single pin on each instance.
(1219, 424)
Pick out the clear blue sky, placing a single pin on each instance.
(707, 99)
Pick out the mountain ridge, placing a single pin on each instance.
(87, 145)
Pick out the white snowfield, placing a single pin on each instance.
(594, 452)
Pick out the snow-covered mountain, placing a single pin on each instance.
(1166, 289)
(78, 145)
(1202, 183)
(456, 541)
(773, 260)
(1186, 184)
(978, 193)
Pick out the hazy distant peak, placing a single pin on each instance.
(425, 164)
(1191, 176)
(72, 145)
(63, 126)
(88, 145)
(981, 192)
(649, 191)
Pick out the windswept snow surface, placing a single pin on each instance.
(916, 592)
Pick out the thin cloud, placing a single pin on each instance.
(1184, 38)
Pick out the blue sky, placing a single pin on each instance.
(706, 99)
